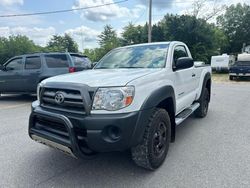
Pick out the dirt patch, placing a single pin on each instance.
(224, 78)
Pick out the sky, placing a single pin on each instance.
(85, 25)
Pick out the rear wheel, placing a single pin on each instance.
(204, 103)
(231, 77)
(151, 153)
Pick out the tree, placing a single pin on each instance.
(62, 44)
(236, 24)
(16, 45)
(206, 9)
(108, 38)
(94, 54)
(132, 34)
(157, 33)
(203, 39)
(200, 36)
(3, 50)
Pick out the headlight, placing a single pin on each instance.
(114, 98)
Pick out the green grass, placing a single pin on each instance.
(224, 78)
(220, 77)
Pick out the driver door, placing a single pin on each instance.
(183, 80)
(11, 78)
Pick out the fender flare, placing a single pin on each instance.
(205, 80)
(154, 99)
(159, 95)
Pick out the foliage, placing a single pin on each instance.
(16, 45)
(202, 38)
(132, 34)
(62, 43)
(136, 34)
(19, 45)
(108, 40)
(94, 54)
(236, 23)
(206, 9)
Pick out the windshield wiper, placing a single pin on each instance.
(102, 68)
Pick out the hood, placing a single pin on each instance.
(103, 77)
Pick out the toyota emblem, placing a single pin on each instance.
(59, 98)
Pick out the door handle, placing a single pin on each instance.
(193, 75)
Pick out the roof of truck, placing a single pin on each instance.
(244, 57)
(152, 43)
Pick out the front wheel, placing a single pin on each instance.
(231, 77)
(151, 153)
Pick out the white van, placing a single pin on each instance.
(244, 57)
(222, 62)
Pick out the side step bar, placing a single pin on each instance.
(186, 113)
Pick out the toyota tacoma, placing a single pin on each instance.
(133, 99)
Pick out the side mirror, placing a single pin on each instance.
(184, 63)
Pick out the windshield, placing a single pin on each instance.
(242, 63)
(148, 56)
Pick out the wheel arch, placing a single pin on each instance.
(163, 97)
(208, 86)
(206, 83)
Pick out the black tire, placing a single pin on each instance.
(151, 153)
(201, 112)
(231, 77)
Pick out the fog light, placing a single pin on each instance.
(111, 134)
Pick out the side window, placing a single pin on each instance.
(179, 51)
(56, 61)
(33, 62)
(15, 64)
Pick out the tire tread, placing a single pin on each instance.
(140, 153)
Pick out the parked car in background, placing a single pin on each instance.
(247, 49)
(241, 68)
(21, 74)
(221, 63)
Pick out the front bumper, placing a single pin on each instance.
(81, 135)
(239, 74)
